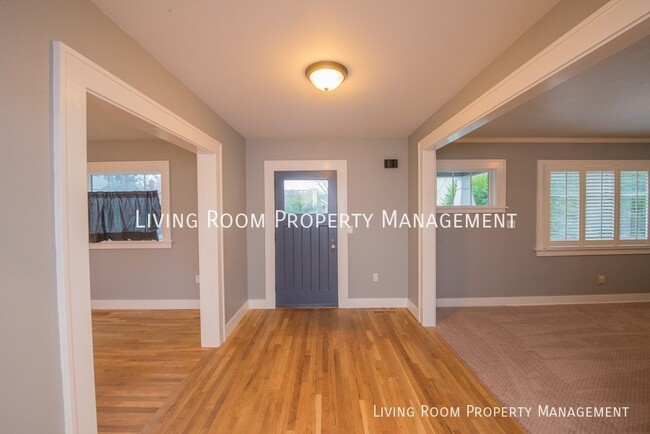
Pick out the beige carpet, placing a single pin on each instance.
(576, 355)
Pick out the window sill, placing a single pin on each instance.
(471, 210)
(563, 251)
(111, 245)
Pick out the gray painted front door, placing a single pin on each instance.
(306, 271)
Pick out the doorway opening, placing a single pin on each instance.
(75, 81)
(140, 274)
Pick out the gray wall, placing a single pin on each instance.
(30, 371)
(502, 263)
(371, 188)
(564, 16)
(151, 274)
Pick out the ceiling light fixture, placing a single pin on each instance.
(326, 75)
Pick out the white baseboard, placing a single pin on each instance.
(257, 303)
(412, 308)
(385, 303)
(236, 318)
(144, 304)
(365, 303)
(359, 303)
(542, 300)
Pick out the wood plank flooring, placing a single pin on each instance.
(141, 357)
(281, 371)
(303, 371)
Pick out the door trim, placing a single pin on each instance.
(75, 81)
(270, 167)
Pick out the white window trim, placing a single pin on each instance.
(137, 167)
(497, 183)
(544, 247)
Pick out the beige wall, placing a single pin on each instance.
(30, 371)
(371, 188)
(502, 263)
(151, 274)
(558, 21)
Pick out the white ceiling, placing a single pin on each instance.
(246, 58)
(610, 99)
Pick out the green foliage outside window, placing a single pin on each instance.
(480, 189)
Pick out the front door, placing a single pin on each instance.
(306, 272)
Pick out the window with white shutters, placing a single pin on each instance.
(592, 207)
(633, 223)
(599, 205)
(564, 206)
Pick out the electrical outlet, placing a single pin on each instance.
(375, 277)
(197, 278)
(601, 280)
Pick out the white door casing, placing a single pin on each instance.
(270, 167)
(75, 81)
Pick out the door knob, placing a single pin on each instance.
(333, 246)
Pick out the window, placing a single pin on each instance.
(471, 185)
(308, 196)
(592, 207)
(133, 176)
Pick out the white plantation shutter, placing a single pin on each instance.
(633, 215)
(564, 206)
(599, 205)
(593, 207)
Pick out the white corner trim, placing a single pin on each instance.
(412, 308)
(145, 304)
(236, 318)
(370, 303)
(258, 303)
(544, 300)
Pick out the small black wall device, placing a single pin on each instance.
(390, 164)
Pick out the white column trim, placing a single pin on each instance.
(427, 239)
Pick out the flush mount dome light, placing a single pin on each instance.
(326, 75)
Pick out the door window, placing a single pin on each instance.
(308, 196)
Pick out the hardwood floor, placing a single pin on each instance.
(288, 371)
(141, 357)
